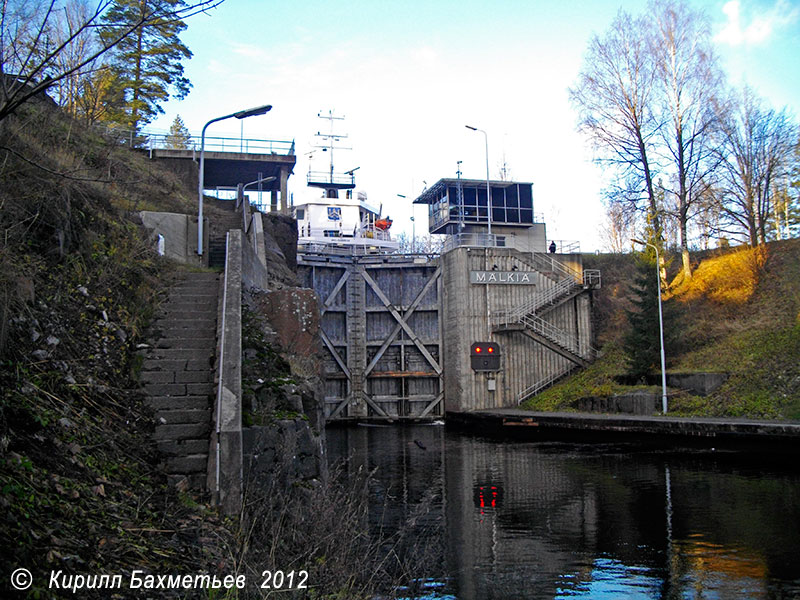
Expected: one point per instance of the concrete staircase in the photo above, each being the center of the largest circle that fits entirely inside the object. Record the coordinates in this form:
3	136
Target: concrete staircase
220	222
178	376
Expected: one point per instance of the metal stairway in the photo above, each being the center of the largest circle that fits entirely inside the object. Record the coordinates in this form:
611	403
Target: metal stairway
527	320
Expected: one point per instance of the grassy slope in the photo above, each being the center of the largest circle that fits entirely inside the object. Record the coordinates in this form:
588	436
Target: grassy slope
739	314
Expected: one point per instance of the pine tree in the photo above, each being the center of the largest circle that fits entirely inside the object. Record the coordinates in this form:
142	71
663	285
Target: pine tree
149	62
642	343
179	137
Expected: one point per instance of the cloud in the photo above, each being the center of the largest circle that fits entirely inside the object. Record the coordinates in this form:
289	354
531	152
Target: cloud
737	31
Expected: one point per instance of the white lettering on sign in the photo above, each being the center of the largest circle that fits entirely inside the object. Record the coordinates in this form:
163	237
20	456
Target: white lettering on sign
502	277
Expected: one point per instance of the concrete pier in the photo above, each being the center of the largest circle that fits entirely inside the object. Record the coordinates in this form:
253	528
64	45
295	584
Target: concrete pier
725	433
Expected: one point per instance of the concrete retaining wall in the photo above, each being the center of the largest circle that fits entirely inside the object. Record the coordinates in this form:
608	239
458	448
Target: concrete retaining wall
180	235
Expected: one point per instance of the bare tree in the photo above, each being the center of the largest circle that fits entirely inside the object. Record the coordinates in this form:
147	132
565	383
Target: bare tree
32	62
757	149
614	96
688	81
618	229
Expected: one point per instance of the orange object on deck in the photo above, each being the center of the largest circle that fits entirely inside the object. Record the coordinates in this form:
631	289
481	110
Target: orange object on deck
383	224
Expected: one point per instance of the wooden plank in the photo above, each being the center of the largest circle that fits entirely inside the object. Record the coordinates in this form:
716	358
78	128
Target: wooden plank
338	409
336	289
432	405
374	406
335	354
399	318
388	341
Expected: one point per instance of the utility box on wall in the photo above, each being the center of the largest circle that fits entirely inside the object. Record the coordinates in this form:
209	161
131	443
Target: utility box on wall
484	357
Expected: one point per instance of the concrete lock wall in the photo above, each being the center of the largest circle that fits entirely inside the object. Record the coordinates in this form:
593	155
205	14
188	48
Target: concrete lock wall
467	309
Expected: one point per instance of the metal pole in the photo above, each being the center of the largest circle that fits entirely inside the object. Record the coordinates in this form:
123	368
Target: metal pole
488	187
660	327
242	114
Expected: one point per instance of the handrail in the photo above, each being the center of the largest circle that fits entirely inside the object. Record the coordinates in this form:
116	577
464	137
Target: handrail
158	140
477	240
543	383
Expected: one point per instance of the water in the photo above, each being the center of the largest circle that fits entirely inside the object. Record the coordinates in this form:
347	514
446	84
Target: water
506	520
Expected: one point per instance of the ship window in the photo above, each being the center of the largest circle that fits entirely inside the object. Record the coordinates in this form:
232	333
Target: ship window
300	214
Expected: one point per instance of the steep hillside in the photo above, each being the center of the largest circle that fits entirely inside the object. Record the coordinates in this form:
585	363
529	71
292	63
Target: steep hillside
739	314
79	486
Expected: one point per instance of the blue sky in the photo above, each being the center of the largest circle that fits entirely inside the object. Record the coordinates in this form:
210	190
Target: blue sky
409	75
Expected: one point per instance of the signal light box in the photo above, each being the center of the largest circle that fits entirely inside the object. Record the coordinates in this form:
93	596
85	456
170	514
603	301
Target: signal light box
484	356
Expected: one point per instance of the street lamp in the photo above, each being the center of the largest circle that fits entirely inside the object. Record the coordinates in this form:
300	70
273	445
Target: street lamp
242	114
488	189
660	327
259	180
262	180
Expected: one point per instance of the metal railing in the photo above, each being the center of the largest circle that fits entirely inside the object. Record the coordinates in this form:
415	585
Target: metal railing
566	246
544	383
537	324
477	240
549	296
158	140
325	177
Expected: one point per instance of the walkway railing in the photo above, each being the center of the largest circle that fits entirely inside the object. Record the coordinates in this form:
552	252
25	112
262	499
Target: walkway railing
544	383
156	140
477	240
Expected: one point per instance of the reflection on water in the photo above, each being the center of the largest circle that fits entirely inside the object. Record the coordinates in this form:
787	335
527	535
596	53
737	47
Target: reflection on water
510	520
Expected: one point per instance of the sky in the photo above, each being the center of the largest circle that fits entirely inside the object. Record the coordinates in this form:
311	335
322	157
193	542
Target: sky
408	76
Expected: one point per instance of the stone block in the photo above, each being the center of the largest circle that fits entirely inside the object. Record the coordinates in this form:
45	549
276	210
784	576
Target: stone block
204	364
206	376
179	402
165	389
187	415
182	431
164	364
148	377
182	447
195	463
189	342
199	389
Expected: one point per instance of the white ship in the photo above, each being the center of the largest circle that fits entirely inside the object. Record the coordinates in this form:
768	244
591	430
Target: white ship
332	217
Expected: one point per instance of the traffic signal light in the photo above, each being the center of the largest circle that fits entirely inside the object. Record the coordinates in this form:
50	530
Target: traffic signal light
484	356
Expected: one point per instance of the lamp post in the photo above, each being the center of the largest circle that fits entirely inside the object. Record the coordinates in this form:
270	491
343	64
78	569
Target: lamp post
488	189
242	114
259	180
660	327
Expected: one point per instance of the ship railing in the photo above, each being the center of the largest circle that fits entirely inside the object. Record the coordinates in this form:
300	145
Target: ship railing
326	177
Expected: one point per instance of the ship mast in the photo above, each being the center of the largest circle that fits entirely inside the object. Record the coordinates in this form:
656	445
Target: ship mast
331	181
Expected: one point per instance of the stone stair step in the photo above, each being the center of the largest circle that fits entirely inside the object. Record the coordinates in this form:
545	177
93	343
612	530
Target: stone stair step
183	447
208	323
193	463
163	364
181	431
206	313
179	402
178	416
179	389
187	343
178	353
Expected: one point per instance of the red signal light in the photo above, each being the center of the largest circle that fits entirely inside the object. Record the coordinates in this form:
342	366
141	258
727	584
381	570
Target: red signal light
490	349
478	350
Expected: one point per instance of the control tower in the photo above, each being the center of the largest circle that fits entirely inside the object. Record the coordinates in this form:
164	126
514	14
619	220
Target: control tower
516	311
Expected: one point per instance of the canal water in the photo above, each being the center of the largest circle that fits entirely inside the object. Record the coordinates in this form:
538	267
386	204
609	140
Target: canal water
503	520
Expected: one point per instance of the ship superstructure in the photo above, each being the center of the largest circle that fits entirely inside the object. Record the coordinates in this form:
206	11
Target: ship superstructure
332	216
